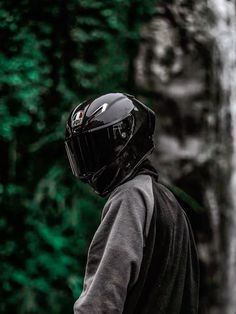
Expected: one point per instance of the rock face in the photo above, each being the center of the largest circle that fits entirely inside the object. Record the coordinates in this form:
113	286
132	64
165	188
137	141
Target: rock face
171	66
187	64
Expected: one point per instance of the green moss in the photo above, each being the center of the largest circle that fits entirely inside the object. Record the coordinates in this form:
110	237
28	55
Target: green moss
52	57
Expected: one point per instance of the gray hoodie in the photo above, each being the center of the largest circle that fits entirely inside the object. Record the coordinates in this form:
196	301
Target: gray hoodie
142	259
116	251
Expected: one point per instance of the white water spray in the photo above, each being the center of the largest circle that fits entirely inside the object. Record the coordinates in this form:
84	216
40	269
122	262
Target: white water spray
224	34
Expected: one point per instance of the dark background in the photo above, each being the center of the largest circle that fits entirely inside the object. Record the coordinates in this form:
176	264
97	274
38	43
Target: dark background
55	54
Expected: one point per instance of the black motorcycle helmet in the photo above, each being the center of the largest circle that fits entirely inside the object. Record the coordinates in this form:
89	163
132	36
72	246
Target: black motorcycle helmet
107	138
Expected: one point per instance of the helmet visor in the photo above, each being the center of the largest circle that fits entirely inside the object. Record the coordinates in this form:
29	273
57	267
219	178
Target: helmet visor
90	151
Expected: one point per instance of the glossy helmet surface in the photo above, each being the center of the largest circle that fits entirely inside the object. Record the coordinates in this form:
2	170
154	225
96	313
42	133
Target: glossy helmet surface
107	138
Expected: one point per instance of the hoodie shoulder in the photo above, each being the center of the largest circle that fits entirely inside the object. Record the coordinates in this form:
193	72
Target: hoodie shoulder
139	192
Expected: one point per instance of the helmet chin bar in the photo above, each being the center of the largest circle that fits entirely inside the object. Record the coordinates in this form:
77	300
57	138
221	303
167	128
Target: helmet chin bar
119	176
105	192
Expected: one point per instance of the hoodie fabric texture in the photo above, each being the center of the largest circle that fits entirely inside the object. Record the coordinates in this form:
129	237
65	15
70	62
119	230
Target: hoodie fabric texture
142	258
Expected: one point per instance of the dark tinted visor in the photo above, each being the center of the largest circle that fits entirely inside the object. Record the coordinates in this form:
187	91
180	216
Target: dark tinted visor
90	151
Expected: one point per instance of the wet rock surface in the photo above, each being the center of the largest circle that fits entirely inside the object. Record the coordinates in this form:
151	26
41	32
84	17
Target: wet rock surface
171	67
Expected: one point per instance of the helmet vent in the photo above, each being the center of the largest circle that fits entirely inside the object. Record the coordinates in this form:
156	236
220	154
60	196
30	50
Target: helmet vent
100	110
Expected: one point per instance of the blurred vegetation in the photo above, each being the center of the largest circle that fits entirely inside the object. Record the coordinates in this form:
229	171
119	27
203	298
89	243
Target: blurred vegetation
53	55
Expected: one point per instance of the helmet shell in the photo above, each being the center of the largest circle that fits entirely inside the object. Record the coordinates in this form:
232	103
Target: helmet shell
100	112
107	138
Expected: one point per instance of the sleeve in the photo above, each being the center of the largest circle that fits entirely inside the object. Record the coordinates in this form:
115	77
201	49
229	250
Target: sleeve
114	256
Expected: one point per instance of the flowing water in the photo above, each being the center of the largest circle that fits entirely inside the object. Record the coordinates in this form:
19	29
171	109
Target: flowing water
224	34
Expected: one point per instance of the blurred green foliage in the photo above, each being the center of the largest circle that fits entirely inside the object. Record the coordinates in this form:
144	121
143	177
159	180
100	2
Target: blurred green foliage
53	54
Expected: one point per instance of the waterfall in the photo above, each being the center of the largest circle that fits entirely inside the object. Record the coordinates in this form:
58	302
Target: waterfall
187	64
224	34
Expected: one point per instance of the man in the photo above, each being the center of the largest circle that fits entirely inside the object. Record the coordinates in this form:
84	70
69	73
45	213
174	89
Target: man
142	258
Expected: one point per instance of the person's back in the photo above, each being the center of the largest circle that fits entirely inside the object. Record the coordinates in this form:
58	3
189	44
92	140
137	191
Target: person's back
169	278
